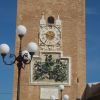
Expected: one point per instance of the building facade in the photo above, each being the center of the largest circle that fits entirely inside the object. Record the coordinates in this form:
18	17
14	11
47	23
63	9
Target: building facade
58	27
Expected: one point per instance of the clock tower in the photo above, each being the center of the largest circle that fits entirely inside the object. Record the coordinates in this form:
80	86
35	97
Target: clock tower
58	27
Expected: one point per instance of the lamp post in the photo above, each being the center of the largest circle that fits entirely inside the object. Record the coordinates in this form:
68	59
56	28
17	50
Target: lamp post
23	58
61	88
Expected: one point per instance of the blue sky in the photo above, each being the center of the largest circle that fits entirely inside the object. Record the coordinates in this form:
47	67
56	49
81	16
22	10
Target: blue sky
7	35
93	40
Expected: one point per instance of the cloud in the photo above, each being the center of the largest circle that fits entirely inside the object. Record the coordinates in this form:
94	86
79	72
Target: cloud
91	11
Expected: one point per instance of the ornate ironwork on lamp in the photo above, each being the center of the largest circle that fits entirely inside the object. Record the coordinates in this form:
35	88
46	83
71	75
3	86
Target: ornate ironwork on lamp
23	58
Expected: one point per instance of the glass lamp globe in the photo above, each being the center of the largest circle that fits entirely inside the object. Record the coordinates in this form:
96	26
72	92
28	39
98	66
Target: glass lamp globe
66	97
61	87
52	97
32	47
26	55
21	30
4	49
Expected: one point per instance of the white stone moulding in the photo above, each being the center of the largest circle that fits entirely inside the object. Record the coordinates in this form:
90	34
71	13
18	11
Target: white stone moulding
39	58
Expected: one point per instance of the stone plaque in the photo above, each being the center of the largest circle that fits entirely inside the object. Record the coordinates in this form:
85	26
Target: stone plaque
46	92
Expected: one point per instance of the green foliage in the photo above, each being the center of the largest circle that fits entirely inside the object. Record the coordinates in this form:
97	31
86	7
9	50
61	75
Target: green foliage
52	69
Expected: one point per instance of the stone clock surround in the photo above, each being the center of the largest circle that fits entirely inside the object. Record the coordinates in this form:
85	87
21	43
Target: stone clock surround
50	33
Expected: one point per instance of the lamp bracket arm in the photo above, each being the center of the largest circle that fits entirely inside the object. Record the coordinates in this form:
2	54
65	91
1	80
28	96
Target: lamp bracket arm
9	60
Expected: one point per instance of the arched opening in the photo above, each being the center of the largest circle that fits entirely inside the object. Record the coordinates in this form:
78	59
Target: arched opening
50	20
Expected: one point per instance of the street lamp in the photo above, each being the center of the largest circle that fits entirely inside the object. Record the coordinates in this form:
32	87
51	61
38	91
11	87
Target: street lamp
65	97
52	97
61	88
23	58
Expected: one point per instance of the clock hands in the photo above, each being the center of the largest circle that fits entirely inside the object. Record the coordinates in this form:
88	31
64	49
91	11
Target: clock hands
50	35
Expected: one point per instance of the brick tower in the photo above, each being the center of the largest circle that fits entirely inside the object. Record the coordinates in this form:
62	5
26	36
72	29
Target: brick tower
58	27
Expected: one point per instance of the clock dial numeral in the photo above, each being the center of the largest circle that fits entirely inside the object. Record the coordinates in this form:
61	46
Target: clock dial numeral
47	42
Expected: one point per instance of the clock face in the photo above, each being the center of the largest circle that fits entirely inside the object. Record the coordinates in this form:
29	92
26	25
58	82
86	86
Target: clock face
50	35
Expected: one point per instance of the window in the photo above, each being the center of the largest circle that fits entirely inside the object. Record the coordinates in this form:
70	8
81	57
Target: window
50	20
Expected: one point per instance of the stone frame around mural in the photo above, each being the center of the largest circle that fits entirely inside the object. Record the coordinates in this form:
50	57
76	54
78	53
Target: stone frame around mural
46	82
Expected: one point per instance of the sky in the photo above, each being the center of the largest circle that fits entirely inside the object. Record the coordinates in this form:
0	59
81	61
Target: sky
7	35
93	40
